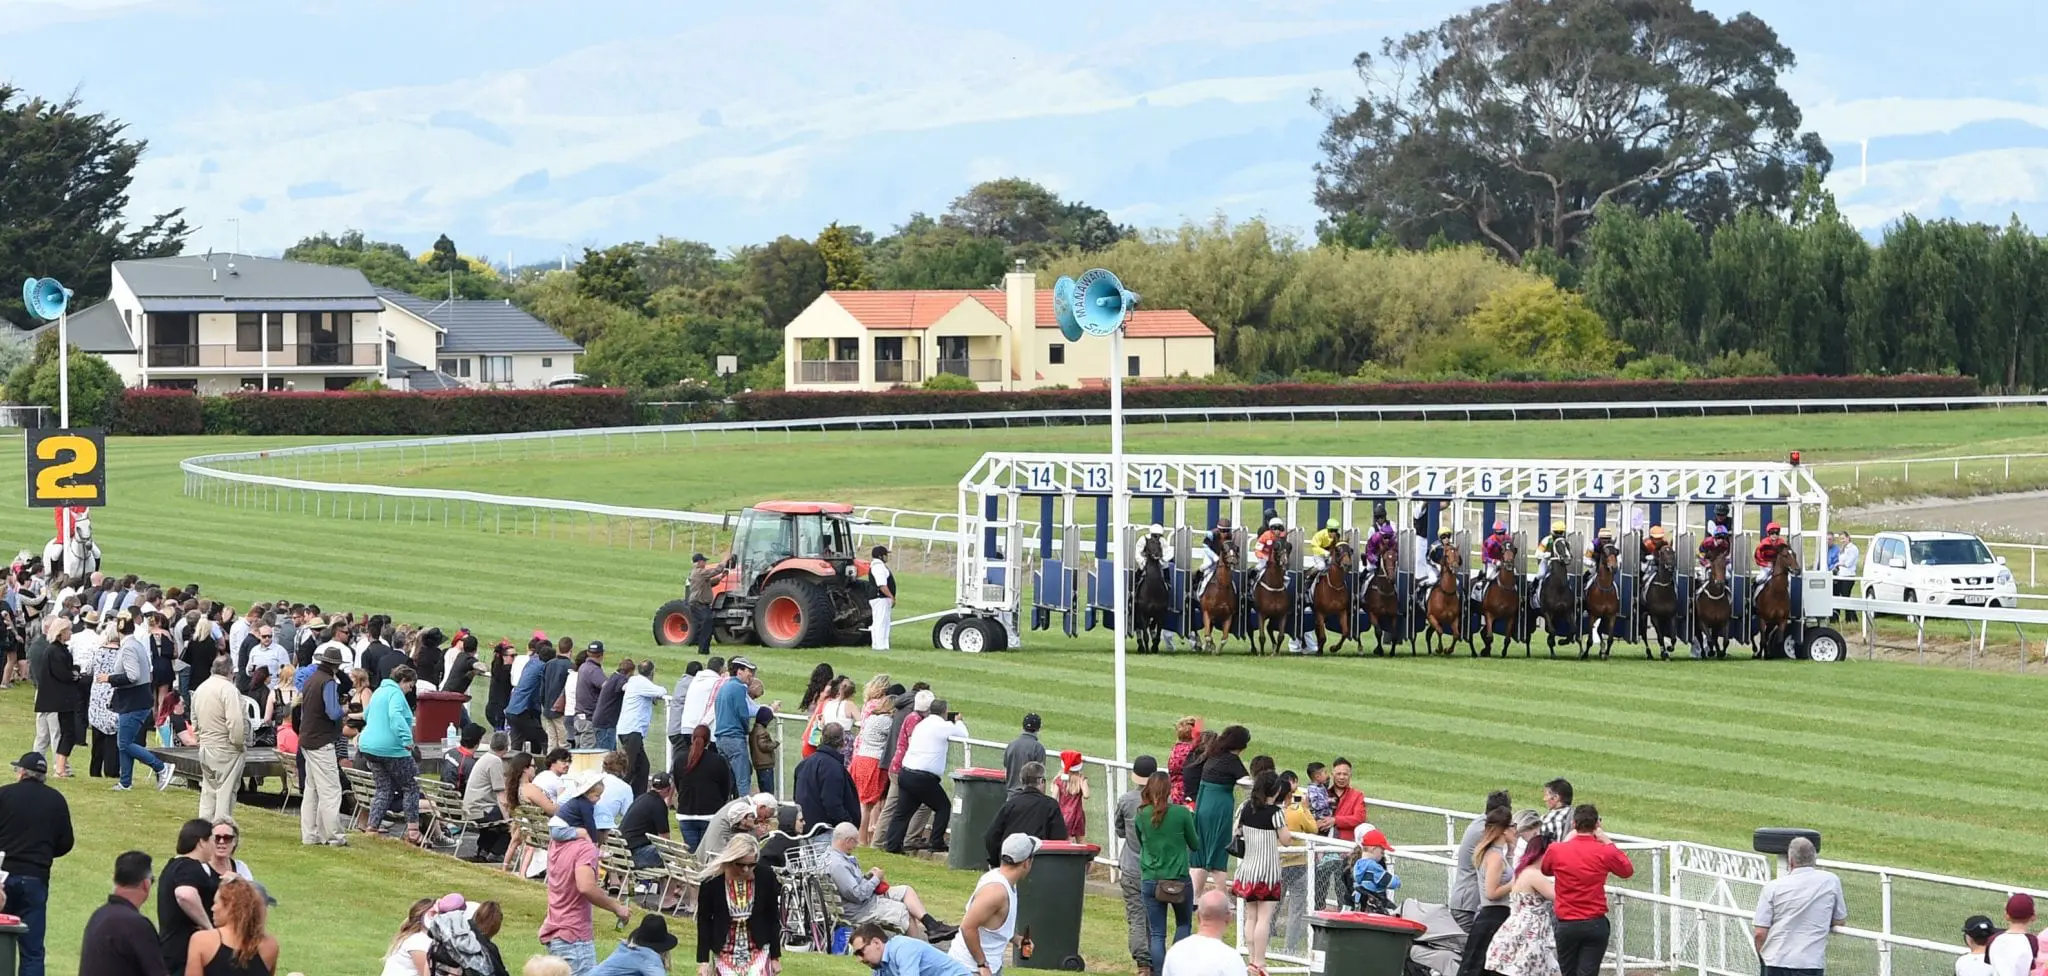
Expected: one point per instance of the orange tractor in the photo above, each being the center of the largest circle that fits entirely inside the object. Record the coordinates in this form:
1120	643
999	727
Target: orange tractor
793	581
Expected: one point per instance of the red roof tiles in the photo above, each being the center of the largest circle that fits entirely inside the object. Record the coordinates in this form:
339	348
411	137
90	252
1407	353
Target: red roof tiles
921	309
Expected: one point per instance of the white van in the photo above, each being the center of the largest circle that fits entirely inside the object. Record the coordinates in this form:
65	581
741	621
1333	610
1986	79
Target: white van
1937	568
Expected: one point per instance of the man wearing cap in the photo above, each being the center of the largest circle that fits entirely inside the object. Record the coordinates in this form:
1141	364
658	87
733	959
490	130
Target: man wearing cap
590	680
732	717
990	922
1025	748
2011	952
1795	911
35	830
889	956
222	726
883	603
1129	873
1978	931
648	815
319	727
703	581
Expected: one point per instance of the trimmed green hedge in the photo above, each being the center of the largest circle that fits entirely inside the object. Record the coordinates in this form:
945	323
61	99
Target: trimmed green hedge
377	413
783	405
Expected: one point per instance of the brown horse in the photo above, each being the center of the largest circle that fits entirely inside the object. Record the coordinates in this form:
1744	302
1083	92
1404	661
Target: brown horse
1218	600
1382	606
1603	603
1774	605
1712	609
1660	602
1331	596
1272	600
1445	616
1502	600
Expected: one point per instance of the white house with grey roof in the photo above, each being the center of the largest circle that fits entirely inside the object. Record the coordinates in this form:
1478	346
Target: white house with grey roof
476	343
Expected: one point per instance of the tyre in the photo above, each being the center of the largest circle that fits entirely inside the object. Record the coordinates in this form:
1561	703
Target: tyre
944	630
1825	646
725	634
672	624
793	612
978	634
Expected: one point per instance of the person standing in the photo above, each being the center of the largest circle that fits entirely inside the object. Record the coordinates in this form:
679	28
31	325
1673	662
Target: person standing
1557	801
1796	911
481	792
119	940
732	717
1978	931
554	691
1166	832
739	913
1129	871
573	888
590	686
386	745
1216	805
924	761
882	605
1844	561
636	716
1347	803
60	698
132	707
1580	867
1492	875
1025	748
184	895
523	709
823	789
990	921
704	580
319	727
35	830
2013	951
223	729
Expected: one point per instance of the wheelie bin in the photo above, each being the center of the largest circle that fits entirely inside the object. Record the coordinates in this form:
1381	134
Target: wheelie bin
1363	944
1049	905
977	795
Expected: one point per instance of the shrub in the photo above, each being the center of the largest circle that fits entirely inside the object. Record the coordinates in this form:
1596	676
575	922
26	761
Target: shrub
440	412
157	412
950	382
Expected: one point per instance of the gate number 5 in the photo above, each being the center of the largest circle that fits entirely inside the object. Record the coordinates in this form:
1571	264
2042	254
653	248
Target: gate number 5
66	467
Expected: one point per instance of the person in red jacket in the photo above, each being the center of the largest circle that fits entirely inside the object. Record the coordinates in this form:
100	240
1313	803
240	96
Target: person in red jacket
1766	555
1347	812
1580	866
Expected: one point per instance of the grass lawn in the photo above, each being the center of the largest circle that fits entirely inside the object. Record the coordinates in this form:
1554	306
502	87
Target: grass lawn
1894	763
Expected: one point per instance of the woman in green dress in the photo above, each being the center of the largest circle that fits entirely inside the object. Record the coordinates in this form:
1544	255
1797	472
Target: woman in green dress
1216	806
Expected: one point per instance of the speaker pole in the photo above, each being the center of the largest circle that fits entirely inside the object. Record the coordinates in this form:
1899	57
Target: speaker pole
1120	509
64	366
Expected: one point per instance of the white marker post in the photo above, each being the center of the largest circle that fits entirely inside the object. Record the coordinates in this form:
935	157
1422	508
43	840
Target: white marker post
1119	494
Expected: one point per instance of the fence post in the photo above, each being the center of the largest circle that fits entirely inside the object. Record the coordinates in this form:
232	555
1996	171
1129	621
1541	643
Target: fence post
1884	949
1699	936
1450	830
1621	936
1657	917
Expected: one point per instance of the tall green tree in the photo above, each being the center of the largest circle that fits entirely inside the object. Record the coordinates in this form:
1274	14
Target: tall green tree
445	258
64	179
788	274
674	262
1512	123
2015	313
923	253
846	267
1647	277
1031	219
613	276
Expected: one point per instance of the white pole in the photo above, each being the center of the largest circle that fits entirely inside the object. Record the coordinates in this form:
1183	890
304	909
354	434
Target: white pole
1119	511
64	365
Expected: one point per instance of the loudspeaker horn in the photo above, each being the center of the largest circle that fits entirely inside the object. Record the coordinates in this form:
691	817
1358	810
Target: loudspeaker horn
45	298
1063	308
1100	302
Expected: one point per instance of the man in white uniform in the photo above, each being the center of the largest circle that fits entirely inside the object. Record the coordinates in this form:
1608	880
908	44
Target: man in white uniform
884	600
990	921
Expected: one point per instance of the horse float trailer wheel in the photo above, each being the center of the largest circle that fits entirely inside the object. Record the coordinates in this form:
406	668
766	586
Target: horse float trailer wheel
672	624
973	636
1825	645
945	630
793	613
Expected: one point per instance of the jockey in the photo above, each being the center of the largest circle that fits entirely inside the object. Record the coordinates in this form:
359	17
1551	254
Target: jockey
1716	543
1155	531
1767	550
1493	550
1653	544
1432	564
1262	550
1601	540
1317	550
1556	549
1215	547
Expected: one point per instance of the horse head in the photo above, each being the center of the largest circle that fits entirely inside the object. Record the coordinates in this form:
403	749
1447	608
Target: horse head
1787	561
1153	550
1509	555
1340	557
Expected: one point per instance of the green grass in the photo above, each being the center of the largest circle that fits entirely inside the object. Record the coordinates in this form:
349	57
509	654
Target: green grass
1896	764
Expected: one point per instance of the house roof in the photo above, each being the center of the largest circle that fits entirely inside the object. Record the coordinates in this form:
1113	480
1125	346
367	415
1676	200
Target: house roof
921	309
482	326
229	282
96	329
417	378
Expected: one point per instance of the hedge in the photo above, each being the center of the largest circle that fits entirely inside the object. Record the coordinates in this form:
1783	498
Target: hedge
379	413
784	405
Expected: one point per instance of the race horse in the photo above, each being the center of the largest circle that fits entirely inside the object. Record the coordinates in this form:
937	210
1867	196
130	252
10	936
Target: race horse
1445	614
1554	599
1218	600
1382	606
1774	605
1331	596
1713	609
73	554
1603	603
1660	601
1501	599
1149	599
1272	600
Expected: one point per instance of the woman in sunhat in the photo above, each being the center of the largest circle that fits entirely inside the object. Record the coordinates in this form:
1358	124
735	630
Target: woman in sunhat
645	953
739	913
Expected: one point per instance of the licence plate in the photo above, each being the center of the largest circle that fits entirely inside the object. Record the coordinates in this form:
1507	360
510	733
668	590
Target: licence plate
1973	600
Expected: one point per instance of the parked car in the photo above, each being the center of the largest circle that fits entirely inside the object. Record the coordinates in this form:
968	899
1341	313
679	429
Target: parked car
1937	568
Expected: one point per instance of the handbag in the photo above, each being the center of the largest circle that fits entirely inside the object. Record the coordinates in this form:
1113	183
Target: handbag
1170	892
1236	846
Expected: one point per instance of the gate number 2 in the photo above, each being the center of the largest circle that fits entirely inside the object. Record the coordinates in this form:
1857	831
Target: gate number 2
66	467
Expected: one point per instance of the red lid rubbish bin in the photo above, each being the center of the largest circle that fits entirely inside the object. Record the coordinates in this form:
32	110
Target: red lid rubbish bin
1364	944
1049	905
977	794
437	711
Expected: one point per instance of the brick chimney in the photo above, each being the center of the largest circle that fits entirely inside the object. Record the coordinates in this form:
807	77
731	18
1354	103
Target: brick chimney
1020	296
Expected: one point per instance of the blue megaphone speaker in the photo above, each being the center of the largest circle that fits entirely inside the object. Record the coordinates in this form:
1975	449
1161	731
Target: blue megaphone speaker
1063	308
45	298
1099	302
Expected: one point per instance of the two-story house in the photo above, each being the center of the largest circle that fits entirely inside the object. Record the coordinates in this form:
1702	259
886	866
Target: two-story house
479	343
1002	340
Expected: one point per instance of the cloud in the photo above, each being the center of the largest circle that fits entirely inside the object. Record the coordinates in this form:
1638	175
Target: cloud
472	124
1986	185
316	190
1871	118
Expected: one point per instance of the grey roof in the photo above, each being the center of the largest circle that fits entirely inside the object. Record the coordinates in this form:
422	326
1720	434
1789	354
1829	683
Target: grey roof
429	380
240	277
262	305
97	329
483	326
396	365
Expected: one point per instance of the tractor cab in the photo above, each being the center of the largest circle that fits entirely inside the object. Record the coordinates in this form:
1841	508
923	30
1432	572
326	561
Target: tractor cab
774	536
797	581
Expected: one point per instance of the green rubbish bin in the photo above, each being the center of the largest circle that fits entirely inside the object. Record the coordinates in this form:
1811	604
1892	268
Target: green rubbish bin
1049	905
977	795
11	930
1363	944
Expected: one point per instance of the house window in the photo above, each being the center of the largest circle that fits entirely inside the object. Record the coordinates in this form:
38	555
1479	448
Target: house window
456	367
1131	367
1056	354
250	325
497	369
547	362
174	384
256	383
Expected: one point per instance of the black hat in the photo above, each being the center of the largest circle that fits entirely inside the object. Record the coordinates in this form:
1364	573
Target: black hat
697	557
659	782
33	762
1032	722
1144	766
878	552
1980	928
653	933
596	648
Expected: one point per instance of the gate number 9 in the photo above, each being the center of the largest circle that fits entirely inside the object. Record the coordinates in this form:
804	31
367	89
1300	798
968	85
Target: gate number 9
66	467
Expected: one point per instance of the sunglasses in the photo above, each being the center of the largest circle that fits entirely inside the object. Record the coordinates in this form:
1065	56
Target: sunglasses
225	838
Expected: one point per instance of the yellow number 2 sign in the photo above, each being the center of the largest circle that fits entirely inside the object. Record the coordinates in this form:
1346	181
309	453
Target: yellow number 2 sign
67	467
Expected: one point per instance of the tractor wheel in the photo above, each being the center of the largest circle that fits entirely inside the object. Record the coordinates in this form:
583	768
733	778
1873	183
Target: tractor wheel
945	630
725	634
672	624
793	612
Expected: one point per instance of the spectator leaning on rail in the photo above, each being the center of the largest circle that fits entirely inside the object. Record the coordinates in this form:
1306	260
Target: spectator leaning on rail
824	791
1028	811
2014	951
1580	866
1795	912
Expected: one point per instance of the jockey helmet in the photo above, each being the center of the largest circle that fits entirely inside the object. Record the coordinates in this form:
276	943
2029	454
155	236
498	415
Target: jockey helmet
1500	526
1273	522
1379	510
1606	532
1331	525
1656	532
1156	529
1772	529
1557	528
1223	524
1444	534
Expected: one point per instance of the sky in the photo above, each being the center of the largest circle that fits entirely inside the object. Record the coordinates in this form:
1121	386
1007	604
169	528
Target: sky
524	130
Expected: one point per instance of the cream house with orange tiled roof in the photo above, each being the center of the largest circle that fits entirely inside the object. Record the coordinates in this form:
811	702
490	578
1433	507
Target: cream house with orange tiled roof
1002	340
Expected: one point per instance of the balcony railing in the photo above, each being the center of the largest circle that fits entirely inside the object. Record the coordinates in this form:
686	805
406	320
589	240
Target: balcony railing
828	371
899	371
227	355
978	370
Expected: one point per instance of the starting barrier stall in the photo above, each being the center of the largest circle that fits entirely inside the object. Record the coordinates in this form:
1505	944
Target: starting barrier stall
1066	557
